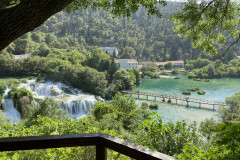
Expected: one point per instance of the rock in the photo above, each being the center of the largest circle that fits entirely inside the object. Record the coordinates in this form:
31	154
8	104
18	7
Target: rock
98	98
55	91
24	106
67	90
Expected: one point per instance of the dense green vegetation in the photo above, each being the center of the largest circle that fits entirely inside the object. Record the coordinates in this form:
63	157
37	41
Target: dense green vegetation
215	69
141	37
150	72
92	72
124	119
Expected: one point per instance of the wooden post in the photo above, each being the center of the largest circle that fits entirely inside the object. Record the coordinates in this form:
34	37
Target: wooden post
199	105
138	95
176	100
187	103
155	98
101	152
213	106
147	97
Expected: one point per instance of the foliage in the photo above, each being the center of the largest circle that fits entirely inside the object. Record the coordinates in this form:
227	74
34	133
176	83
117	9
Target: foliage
168	65
3	119
209	23
201	92
45	108
16	94
186	92
231	113
167	138
193	89
174	72
153	106
218	70
151	71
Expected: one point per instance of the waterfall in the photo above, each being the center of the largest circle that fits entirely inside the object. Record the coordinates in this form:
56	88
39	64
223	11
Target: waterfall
76	103
8	108
78	108
10	111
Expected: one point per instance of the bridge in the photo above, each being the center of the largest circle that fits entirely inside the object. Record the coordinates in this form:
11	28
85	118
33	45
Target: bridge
188	100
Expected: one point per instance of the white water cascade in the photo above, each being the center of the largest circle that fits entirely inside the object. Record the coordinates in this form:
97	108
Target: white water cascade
8	108
76	103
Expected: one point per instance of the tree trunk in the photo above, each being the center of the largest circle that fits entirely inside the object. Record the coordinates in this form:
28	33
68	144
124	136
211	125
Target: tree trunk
26	16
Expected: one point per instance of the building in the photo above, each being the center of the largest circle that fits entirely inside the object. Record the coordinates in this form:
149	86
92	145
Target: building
146	63
127	63
238	57
111	50
176	64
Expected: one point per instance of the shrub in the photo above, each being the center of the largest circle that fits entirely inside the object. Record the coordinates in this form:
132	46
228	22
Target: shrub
193	89
14	83
2	88
206	80
19	93
176	77
24	80
186	92
174	72
201	92
191	76
153	106
161	68
144	105
163	100
169	101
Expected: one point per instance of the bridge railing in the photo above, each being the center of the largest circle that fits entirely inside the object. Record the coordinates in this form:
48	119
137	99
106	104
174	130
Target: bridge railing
100	140
174	97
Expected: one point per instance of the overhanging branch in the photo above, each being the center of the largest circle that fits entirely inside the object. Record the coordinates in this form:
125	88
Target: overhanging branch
25	17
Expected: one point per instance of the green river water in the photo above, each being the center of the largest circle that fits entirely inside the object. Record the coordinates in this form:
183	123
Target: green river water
216	90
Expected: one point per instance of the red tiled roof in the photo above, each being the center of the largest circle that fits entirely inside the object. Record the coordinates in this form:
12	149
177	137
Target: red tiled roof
129	60
174	62
146	62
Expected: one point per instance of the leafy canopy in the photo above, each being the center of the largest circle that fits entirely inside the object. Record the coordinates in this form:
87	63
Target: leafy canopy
209	23
118	7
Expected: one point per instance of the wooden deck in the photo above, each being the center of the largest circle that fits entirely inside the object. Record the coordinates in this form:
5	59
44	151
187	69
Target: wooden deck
188	100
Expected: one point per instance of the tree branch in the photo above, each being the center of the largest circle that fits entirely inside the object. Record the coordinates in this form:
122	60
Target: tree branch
25	17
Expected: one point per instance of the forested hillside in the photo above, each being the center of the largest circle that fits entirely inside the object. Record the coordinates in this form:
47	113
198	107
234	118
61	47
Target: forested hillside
141	37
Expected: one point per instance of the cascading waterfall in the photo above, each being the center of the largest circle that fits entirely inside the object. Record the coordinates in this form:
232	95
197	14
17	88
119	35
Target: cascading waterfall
76	103
78	108
8	108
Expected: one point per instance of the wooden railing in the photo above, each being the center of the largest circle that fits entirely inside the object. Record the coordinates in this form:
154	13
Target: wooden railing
100	140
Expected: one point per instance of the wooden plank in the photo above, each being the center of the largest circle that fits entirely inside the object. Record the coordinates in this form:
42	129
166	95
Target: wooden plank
52	141
100	140
133	150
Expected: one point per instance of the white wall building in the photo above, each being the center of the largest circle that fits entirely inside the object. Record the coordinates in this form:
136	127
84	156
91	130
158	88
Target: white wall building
127	63
111	50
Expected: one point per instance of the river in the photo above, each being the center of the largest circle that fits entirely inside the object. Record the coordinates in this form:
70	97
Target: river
216	90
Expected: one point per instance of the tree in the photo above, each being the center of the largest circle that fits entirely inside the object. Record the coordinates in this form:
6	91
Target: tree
24	15
168	65
208	23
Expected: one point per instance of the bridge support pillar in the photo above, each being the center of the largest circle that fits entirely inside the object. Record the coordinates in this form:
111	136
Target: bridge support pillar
199	105
147	97
176	100
138	96
155	98
214	107
187	104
